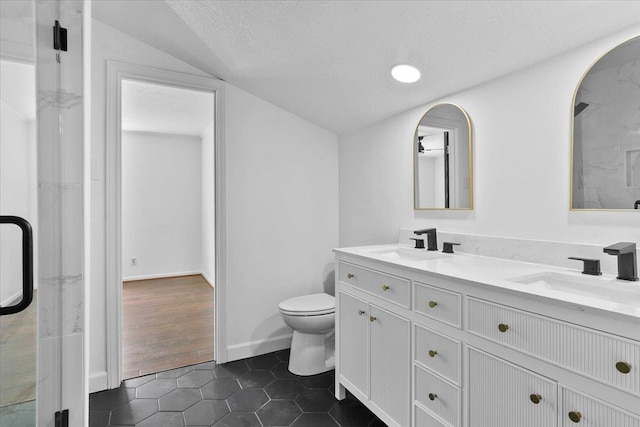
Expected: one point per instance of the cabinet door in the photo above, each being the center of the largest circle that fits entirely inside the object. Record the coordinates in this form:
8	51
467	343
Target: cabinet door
390	364
504	395
581	410
353	320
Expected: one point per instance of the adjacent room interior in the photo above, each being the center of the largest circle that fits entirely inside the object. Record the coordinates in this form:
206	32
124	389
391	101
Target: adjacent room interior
167	243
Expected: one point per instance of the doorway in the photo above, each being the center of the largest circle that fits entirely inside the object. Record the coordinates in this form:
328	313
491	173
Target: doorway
117	73
167	227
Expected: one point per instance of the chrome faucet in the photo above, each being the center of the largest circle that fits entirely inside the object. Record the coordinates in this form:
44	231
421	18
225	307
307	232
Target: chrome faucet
432	239
627	263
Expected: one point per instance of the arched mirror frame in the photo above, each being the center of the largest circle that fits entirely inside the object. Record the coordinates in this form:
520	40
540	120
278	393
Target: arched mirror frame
573	116
415	160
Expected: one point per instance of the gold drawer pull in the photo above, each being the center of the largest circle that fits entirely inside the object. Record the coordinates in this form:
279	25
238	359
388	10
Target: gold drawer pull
360	312
432	396
575	416
432	304
385	288
432	353
350	276
623	367
535	398
373	319
503	328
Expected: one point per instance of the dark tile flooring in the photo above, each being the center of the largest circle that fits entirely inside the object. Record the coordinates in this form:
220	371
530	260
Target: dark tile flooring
258	391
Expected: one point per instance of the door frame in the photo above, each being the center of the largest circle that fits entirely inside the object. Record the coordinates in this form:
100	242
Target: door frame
116	72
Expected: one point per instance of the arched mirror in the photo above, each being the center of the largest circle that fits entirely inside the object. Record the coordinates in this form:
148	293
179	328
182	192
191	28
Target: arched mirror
442	165
606	132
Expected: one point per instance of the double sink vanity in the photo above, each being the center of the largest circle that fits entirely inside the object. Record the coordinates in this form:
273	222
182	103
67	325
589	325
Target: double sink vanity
442	339
427	338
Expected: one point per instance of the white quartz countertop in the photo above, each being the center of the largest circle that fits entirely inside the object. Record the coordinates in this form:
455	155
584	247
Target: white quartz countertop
568	285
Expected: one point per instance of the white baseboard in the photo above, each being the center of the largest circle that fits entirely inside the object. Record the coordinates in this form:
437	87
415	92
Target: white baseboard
97	381
12	299
161	276
258	347
209	280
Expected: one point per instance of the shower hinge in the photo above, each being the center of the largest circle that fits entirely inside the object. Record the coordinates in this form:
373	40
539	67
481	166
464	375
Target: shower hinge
62	418
59	37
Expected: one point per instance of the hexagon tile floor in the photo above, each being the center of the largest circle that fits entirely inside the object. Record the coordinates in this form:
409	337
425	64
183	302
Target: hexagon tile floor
259	391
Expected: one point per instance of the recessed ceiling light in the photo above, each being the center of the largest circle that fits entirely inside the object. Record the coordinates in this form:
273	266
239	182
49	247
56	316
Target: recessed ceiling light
405	73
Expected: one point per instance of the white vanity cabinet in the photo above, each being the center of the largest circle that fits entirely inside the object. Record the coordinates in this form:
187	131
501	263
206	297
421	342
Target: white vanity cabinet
428	350
374	341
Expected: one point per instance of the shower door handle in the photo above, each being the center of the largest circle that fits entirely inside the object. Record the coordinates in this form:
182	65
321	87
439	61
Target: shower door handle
27	264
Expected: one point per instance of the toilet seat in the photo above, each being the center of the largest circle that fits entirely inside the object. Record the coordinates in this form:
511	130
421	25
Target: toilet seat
309	305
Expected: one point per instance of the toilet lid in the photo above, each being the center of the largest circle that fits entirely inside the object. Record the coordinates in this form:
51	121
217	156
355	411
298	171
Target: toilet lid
313	304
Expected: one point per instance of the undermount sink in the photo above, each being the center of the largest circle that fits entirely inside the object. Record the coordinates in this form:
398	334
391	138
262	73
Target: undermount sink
406	254
592	287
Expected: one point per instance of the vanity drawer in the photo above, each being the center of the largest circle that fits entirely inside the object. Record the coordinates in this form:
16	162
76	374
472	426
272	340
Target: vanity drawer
425	419
578	409
446	397
604	357
445	306
386	286
439	353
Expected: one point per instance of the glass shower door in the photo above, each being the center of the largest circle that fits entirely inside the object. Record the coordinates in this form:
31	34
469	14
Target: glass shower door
18	202
41	229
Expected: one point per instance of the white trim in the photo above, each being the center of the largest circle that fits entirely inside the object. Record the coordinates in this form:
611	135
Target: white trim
209	280
162	275
18	52
220	266
257	347
97	381
116	72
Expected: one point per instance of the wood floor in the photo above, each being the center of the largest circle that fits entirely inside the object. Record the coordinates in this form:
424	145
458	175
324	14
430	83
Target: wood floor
18	356
167	323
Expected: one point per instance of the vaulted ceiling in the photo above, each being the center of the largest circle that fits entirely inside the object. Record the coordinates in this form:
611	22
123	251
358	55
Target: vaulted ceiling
329	61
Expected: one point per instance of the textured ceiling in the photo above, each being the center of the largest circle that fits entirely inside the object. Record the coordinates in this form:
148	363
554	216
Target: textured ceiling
165	109
329	61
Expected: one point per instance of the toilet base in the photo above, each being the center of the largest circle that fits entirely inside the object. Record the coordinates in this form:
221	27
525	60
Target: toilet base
308	354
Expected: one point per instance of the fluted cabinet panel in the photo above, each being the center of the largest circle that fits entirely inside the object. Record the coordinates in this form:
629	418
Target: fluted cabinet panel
424	419
390	364
583	350
438	396
353	325
439	304
389	287
500	394
593	413
438	353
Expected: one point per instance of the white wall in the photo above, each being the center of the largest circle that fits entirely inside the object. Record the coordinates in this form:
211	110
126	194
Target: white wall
208	204
522	145
161	205
282	207
18	196
282	217
109	44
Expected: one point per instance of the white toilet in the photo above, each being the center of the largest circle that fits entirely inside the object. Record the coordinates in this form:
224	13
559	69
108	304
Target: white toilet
312	318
